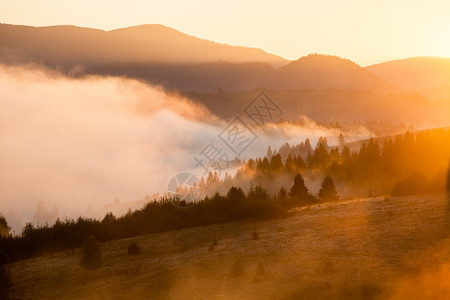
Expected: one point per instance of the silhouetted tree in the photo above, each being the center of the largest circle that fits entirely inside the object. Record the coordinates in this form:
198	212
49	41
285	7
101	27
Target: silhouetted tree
251	164
289	165
236	194
308	147
276	164
299	163
4	228
328	191
282	194
299	191
269	152
341	140
258	193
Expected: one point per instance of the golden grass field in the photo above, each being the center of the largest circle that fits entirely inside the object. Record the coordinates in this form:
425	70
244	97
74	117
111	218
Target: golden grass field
374	248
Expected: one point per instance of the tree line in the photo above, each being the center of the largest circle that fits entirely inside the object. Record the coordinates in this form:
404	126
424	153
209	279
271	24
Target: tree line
161	215
410	163
404	163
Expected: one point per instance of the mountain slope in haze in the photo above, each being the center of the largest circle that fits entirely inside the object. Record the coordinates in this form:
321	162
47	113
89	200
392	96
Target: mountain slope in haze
334	105
428	76
205	77
164	56
314	71
69	46
326	71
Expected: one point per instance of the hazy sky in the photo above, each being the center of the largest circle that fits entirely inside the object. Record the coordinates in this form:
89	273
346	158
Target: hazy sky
366	31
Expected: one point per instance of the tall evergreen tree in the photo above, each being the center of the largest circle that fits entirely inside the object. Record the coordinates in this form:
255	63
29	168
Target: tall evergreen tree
341	140
299	191
289	165
299	162
276	164
269	152
328	191
308	146
4	228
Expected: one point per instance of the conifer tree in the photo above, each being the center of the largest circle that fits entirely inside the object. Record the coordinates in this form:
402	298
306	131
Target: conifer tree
299	191
328	191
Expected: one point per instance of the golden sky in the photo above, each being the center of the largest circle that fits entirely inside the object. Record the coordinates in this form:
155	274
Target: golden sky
365	31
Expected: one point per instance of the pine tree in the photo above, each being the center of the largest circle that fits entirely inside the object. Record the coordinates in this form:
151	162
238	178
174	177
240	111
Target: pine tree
309	160
299	163
282	194
308	147
341	140
202	183
276	164
299	191
328	191
209	179
251	164
289	165
269	152
4	228
345	155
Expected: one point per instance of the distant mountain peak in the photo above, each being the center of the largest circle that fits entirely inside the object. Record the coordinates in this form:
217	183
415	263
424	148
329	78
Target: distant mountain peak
71	45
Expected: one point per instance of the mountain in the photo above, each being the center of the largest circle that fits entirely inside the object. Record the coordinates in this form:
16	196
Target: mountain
428	76
314	71
324	71
204	77
69	46
330	106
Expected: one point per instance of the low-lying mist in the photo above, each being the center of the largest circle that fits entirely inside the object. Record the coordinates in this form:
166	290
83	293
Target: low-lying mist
69	147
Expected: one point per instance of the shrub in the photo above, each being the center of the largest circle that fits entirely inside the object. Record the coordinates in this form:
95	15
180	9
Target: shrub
134	249
91	255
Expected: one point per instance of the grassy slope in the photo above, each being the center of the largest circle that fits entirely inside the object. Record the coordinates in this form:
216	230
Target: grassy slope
356	249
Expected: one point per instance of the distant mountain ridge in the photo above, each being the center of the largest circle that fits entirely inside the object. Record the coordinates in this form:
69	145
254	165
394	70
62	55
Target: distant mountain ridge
164	56
428	76
70	45
316	72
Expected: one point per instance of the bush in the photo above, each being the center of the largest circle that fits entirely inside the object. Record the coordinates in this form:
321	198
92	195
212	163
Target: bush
91	255
134	249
